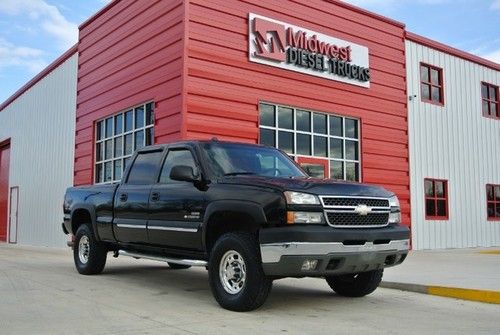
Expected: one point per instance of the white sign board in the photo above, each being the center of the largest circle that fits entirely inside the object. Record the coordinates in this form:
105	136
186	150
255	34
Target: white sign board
293	48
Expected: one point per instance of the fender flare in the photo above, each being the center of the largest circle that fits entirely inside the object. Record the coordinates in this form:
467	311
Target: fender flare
89	208
250	208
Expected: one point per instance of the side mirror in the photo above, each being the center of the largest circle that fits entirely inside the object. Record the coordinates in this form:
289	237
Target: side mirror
183	173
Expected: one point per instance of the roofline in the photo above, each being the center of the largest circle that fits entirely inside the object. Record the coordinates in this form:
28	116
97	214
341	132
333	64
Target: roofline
99	13
452	51
61	59
367	12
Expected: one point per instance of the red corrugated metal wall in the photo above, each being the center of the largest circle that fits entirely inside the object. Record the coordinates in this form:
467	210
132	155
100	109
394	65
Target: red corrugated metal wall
223	88
131	52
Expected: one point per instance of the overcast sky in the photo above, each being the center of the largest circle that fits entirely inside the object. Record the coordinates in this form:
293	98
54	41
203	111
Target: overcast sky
35	32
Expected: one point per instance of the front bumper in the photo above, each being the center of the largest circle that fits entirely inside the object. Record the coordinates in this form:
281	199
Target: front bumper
337	251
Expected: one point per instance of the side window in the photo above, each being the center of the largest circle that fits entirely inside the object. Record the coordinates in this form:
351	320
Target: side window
176	157
144	169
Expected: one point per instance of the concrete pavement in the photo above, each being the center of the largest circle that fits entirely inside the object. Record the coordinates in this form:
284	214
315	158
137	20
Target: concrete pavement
471	274
41	293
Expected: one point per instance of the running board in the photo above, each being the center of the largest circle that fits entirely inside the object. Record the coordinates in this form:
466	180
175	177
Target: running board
191	262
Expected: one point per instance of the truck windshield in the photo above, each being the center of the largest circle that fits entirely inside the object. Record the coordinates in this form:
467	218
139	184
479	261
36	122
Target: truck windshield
228	159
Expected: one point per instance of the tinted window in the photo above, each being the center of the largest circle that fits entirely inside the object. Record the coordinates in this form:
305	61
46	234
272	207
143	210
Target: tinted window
144	168
174	158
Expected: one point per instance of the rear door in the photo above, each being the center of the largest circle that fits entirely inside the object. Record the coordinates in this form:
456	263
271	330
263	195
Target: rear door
132	198
177	207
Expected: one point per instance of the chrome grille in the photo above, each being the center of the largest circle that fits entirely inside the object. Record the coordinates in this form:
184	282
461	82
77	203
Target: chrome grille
356	220
356	212
371	202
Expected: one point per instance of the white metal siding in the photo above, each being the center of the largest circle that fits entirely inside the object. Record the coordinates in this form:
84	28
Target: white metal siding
454	142
41	126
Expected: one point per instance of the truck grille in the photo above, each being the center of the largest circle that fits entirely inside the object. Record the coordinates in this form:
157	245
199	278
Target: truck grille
330	201
355	220
356	212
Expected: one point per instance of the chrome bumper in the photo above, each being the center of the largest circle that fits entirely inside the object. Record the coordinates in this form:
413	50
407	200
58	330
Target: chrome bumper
272	252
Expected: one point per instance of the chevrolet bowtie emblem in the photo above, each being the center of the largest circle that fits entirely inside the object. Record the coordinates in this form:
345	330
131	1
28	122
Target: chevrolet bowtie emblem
362	210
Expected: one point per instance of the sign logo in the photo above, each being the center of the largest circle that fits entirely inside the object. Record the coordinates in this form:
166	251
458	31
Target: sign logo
282	45
362	210
269	39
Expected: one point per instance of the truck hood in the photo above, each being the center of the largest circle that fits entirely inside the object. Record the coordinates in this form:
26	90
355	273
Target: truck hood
312	185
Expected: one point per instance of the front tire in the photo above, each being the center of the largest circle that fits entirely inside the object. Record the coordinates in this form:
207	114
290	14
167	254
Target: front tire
355	285
88	253
235	272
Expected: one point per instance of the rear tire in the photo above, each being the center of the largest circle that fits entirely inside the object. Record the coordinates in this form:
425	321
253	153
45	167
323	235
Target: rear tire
356	284
88	253
235	272
176	266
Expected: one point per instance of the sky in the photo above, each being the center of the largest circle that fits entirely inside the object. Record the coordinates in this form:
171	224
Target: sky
33	33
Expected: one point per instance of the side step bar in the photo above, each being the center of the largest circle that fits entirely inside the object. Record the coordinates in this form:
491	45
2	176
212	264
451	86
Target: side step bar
191	262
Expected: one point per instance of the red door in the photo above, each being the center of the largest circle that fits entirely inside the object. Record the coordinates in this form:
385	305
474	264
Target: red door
4	190
314	167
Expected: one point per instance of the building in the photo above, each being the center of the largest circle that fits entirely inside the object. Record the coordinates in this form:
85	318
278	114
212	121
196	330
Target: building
339	88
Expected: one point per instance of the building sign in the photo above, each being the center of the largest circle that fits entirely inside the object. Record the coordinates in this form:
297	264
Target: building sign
293	48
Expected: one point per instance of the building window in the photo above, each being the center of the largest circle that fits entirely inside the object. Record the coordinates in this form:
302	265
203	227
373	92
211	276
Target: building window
431	84
436	199
331	139
489	99
493	202
117	137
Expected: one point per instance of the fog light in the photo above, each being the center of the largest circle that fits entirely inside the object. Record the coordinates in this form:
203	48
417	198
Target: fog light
395	217
309	265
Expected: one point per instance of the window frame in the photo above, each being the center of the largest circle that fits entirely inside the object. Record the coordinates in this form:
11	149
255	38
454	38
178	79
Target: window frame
430	84
494	202
329	137
164	160
435	198
124	157
497	102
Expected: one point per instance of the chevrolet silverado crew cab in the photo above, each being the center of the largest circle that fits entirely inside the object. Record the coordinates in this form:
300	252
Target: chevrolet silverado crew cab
247	213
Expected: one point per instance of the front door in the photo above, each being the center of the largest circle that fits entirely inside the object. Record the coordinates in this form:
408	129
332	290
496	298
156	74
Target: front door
176	207
132	198
314	167
4	190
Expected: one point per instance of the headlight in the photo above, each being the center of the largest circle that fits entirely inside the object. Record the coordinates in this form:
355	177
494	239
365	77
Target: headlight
297	198
395	215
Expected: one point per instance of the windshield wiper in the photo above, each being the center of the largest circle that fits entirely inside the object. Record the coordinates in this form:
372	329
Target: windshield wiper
241	173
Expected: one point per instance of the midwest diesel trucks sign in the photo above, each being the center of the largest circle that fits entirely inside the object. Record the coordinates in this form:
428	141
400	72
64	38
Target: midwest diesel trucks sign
293	48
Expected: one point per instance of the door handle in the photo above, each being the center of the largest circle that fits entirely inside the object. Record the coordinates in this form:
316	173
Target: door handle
123	197
155	196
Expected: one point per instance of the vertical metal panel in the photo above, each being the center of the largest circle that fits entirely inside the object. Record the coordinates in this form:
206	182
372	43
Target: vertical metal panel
454	142
223	89
41	126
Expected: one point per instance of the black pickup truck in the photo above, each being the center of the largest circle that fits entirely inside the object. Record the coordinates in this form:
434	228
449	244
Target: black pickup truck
247	213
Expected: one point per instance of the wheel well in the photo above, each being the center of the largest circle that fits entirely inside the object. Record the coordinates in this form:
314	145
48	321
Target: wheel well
225	222
80	216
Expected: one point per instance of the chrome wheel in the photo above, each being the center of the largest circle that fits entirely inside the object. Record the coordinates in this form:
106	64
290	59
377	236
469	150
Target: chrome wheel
84	249
232	272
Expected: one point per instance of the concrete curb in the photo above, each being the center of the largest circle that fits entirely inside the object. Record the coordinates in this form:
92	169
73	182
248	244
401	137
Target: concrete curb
488	296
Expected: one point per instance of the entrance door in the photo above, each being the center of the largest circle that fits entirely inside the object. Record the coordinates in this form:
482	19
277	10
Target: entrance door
14	201
314	167
4	189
